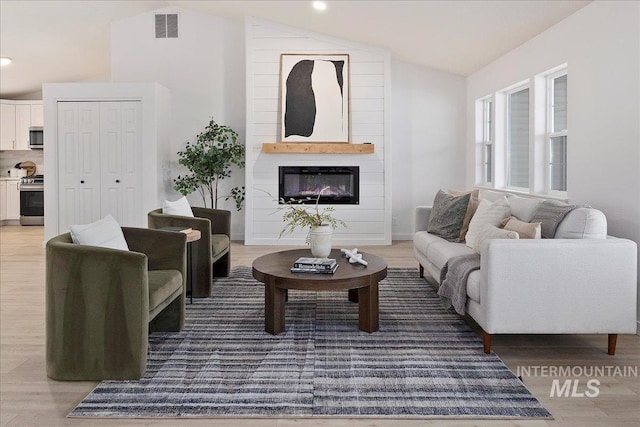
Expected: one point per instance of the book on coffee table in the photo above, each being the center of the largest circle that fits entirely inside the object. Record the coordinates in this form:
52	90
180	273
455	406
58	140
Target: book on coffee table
315	263
315	270
185	230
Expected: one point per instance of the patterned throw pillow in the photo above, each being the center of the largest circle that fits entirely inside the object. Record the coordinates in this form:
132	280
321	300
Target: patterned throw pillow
550	213
526	230
490	232
474	201
447	215
488	213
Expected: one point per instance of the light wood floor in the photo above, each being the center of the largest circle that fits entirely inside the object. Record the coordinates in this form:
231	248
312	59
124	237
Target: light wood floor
29	398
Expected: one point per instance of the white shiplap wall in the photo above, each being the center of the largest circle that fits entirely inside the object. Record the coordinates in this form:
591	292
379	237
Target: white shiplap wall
370	221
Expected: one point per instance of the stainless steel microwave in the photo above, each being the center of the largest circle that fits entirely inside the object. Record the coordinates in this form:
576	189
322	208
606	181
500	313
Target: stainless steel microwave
36	138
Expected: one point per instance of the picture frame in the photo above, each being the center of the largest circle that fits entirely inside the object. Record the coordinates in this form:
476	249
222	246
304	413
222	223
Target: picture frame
314	98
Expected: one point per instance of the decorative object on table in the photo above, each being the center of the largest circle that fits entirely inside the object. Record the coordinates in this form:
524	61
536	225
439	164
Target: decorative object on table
209	161
314	94
321	224
354	256
315	265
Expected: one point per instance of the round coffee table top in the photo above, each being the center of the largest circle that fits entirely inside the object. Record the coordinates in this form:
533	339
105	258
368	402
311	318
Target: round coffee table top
277	266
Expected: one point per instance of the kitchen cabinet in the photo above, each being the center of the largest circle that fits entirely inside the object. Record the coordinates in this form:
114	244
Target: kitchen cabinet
9	199
99	161
16	117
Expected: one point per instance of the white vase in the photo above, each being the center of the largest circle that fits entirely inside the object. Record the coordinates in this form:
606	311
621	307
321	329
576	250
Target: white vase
320	240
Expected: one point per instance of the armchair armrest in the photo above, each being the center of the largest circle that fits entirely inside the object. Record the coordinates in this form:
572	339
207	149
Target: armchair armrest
559	286
97	304
220	219
165	249
422	217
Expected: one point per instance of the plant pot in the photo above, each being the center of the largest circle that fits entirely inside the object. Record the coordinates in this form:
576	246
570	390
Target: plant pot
320	240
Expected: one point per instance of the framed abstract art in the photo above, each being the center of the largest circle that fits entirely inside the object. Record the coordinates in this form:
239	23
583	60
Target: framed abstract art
314	98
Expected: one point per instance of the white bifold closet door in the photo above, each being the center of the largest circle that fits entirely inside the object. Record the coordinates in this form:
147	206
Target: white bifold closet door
99	162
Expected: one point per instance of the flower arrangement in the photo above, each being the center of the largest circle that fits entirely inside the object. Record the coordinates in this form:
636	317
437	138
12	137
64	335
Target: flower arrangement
300	215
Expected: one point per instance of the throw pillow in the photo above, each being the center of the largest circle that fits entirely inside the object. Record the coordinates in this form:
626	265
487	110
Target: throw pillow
488	213
550	213
471	209
447	215
491	195
489	232
105	233
179	207
525	230
523	208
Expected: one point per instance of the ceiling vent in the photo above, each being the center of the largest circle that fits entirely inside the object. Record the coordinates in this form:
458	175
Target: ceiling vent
167	26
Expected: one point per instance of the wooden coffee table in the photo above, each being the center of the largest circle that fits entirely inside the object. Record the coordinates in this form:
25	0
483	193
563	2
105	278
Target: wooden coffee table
362	282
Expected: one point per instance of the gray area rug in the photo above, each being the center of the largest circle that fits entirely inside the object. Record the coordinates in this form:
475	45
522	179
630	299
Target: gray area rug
423	362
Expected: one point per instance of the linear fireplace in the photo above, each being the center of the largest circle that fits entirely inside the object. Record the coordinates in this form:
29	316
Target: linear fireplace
334	184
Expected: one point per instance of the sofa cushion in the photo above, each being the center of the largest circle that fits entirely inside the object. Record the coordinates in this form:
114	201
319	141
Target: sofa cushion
523	208
447	215
583	223
163	284
105	233
440	252
491	195
550	213
422	240
490	232
488	213
526	230
473	286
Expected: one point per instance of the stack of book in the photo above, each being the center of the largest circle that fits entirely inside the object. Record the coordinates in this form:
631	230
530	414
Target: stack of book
315	265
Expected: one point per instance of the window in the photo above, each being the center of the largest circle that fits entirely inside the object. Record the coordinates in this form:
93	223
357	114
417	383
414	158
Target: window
166	26
518	138
557	132
487	141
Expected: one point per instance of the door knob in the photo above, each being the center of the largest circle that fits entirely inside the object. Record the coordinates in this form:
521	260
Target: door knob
81	182
117	180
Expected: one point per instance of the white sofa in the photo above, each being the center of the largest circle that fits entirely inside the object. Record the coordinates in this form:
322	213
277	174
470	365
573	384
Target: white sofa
580	282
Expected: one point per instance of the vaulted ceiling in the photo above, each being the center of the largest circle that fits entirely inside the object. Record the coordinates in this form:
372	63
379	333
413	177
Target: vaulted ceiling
66	41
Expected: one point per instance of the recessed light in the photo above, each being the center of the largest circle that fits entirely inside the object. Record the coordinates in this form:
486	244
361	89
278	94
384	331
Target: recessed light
319	5
5	61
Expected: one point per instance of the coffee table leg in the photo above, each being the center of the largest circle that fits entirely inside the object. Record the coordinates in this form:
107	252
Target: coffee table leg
368	308
353	295
274	305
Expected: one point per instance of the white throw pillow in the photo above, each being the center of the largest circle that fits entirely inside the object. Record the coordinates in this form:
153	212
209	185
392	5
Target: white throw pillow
523	208
489	232
105	233
491	195
179	207
488	213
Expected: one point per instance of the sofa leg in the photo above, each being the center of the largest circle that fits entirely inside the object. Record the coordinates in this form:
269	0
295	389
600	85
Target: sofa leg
613	339
421	270
486	342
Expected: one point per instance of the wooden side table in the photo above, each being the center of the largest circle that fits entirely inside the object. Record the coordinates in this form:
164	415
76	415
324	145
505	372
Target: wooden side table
192	236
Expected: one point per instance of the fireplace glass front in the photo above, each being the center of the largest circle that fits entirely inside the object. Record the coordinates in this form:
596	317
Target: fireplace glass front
334	184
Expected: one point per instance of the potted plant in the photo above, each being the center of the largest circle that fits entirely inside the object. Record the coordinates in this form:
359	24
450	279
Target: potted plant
321	223
209	161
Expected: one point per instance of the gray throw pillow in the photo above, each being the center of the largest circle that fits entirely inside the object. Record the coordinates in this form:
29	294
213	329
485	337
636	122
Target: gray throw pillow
447	215
550	213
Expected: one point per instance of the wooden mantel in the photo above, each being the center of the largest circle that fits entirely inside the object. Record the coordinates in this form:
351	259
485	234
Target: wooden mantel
316	148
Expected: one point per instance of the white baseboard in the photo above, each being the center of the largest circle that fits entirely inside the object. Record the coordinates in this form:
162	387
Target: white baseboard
402	236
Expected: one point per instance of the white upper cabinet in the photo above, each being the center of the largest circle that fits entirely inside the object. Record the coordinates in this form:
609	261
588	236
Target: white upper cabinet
15	119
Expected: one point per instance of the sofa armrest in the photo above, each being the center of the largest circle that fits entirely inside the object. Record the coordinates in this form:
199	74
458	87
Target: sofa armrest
220	219
559	286
422	218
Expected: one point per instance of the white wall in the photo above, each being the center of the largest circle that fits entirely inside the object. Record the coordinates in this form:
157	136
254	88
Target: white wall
370	221
428	128
601	45
203	69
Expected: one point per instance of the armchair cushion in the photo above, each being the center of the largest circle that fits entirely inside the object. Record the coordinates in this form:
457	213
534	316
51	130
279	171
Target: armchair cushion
105	233
219	244
179	207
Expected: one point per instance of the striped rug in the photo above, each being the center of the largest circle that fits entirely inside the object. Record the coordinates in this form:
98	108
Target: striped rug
423	362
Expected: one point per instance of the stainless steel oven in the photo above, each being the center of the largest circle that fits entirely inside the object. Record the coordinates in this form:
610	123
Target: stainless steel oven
32	200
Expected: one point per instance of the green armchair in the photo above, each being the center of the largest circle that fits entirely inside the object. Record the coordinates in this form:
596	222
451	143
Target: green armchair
102	303
212	253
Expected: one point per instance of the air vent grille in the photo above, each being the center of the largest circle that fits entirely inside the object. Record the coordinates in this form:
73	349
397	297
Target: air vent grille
166	26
